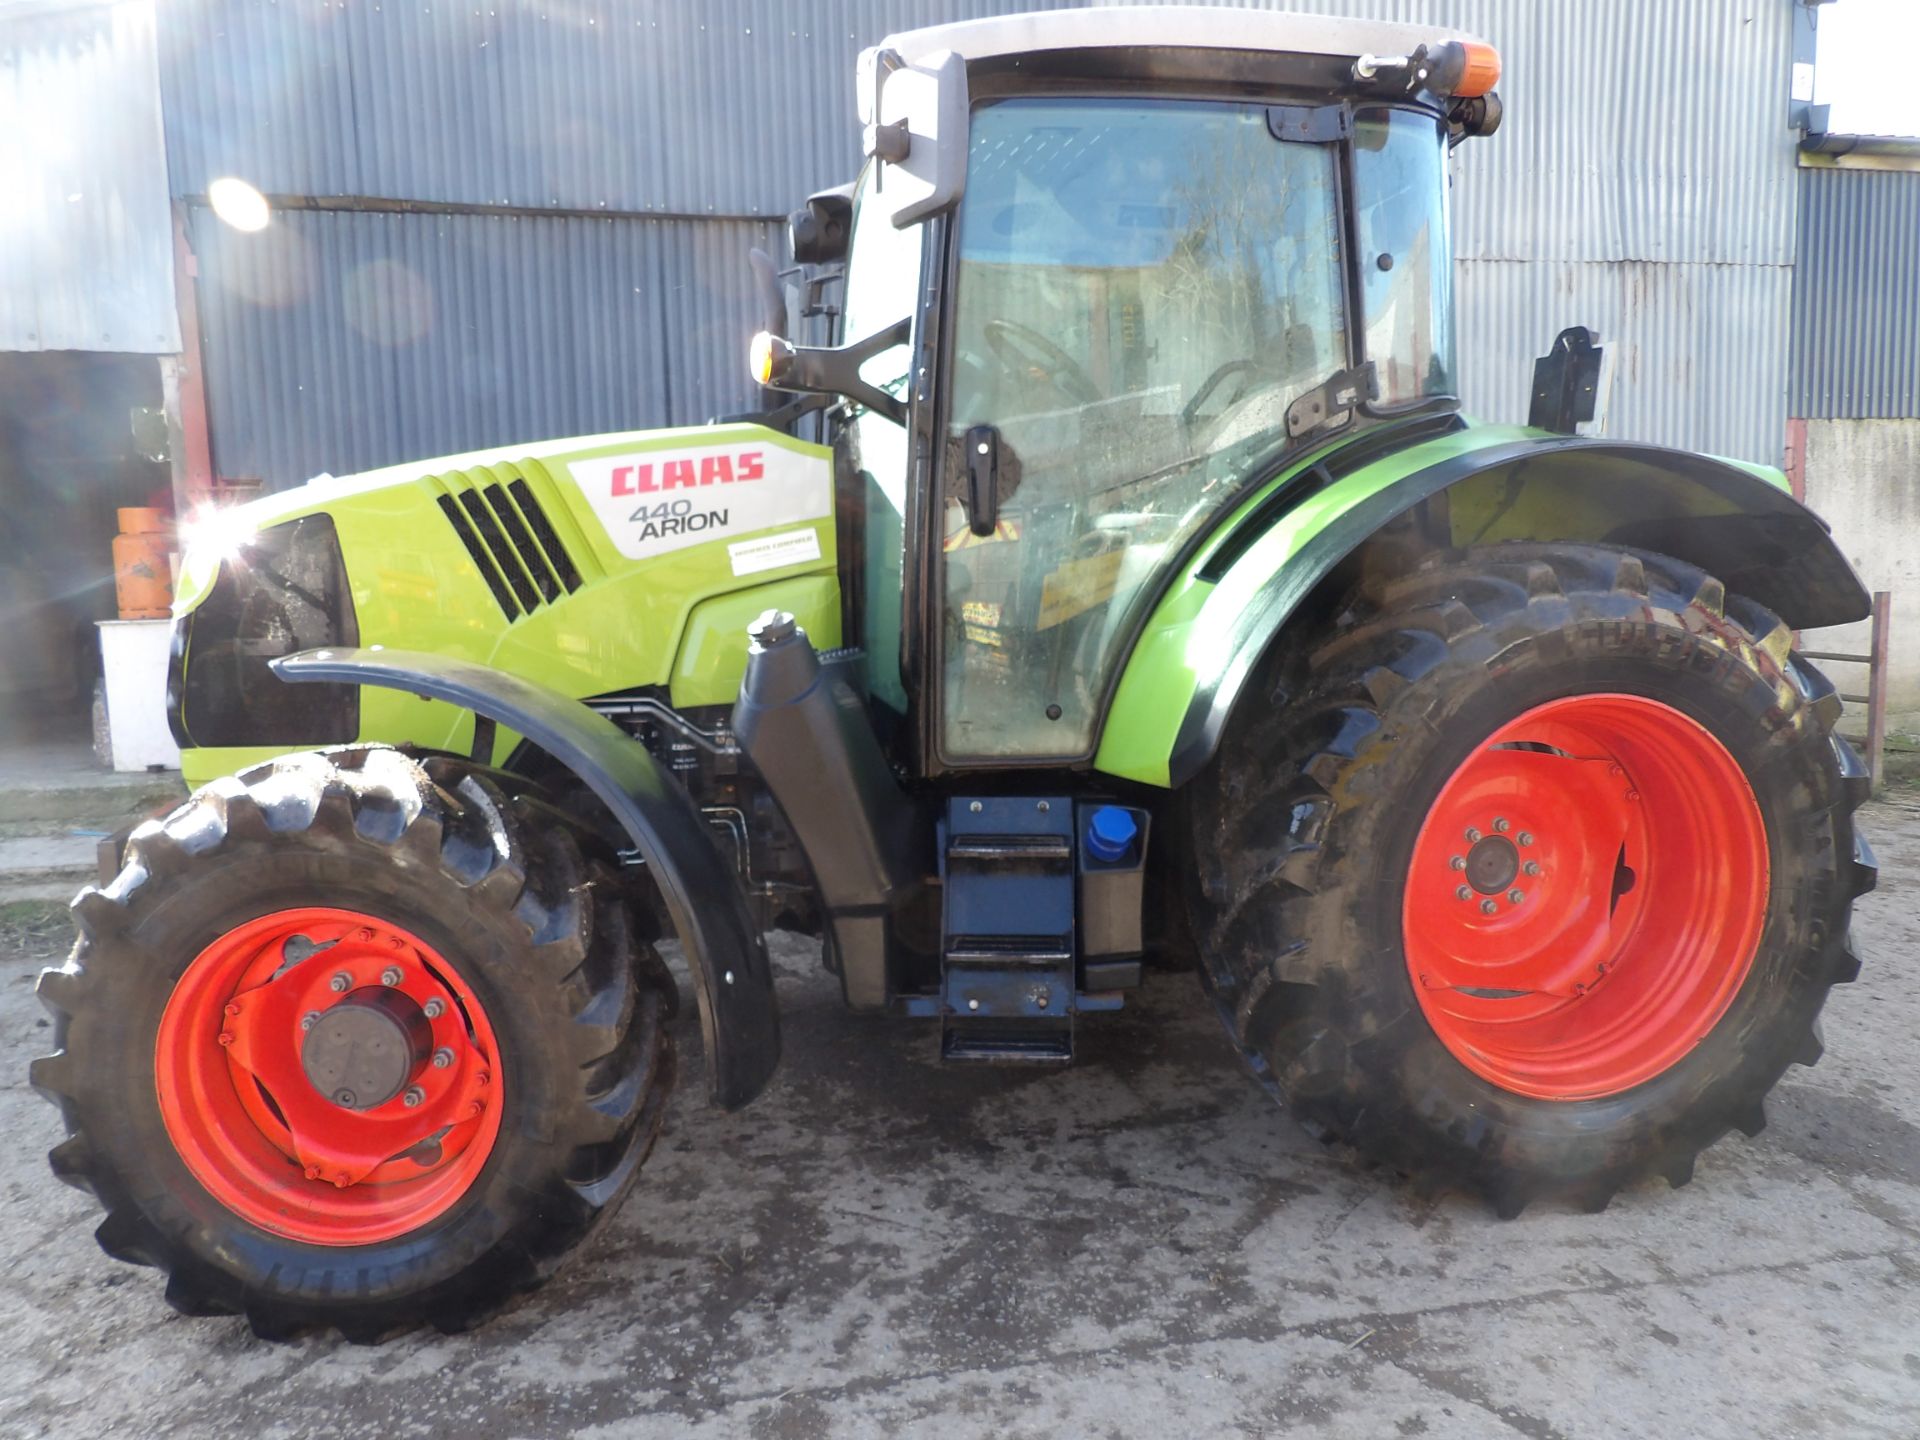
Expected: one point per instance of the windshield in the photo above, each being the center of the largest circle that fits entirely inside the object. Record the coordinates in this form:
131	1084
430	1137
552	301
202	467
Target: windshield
1143	288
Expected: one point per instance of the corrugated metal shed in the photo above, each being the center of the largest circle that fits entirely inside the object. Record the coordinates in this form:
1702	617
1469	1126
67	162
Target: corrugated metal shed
1698	351
1856	299
730	108
1642	184
342	341
86	255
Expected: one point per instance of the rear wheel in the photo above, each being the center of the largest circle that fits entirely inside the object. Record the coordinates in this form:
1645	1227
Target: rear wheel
355	1041
1535	877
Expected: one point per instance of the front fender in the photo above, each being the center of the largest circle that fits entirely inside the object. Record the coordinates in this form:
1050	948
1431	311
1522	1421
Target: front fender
1198	649
725	952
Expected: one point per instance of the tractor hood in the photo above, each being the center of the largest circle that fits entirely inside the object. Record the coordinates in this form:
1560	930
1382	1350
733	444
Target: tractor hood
595	565
596	493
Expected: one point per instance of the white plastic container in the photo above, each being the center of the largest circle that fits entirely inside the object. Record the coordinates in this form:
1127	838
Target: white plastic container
133	659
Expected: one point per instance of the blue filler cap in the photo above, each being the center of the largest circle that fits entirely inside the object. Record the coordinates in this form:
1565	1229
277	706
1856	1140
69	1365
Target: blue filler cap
1110	833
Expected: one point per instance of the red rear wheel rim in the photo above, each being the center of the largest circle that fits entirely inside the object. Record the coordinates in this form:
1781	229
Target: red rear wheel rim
1585	897
254	1129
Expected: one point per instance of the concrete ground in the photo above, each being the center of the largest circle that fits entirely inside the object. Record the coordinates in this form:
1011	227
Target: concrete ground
56	804
1141	1245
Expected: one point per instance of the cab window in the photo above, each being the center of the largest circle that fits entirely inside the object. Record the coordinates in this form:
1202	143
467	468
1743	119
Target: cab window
1143	289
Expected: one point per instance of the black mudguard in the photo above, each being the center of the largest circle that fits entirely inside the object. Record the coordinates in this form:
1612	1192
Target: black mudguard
725	951
1752	536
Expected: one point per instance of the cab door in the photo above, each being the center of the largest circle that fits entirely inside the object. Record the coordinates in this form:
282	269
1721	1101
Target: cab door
1141	289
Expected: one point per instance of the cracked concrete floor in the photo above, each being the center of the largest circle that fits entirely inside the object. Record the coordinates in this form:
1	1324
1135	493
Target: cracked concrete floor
1141	1245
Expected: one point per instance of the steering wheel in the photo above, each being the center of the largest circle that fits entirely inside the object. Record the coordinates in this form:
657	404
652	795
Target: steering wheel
1190	412
1023	351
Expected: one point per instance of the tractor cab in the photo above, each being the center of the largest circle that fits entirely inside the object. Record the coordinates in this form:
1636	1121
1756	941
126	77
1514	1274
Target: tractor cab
1102	278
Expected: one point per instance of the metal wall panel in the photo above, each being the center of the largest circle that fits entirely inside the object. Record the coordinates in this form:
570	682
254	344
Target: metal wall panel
1634	129
1641	183
1856	300
339	341
1645	149
737	107
1698	351
86	250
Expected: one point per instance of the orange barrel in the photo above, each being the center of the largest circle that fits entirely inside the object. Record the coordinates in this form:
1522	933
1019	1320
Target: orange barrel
142	576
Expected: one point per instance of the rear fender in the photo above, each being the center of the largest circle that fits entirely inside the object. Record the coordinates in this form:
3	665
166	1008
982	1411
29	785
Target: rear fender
1203	642
725	952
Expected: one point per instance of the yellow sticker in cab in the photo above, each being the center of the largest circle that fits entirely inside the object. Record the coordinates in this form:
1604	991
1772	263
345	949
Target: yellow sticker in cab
1077	586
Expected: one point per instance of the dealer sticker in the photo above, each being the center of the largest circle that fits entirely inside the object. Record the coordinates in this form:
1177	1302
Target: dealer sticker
770	552
654	502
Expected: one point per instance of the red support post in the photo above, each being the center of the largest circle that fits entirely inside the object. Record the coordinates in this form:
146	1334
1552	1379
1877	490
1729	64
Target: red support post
193	455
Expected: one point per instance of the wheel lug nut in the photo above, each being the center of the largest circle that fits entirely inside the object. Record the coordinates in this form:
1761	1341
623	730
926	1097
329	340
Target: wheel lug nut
1458	862
442	1058
1532	867
434	1008
310	1019
1514	897
413	1096
1526	837
1502	826
1473	834
391	976
340	983
1463	893
1487	907
225	1038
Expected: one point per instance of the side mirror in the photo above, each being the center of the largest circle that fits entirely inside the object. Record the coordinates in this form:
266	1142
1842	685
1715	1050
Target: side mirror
915	129
819	232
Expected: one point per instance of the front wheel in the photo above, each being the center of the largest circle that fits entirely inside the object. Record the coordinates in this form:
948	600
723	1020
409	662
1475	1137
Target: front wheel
1534	877
357	1042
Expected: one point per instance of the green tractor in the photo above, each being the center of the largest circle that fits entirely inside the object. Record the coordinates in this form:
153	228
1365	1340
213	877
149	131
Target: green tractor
1145	593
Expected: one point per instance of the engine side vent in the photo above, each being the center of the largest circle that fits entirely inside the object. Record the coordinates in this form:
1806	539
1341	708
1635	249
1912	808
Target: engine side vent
512	542
485	522
543	534
478	554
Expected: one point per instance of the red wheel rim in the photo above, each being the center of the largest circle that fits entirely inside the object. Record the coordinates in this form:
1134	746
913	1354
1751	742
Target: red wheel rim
1585	897
253	1128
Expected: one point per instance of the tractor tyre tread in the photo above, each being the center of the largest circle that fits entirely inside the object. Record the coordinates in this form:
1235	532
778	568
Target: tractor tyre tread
1275	869
600	1002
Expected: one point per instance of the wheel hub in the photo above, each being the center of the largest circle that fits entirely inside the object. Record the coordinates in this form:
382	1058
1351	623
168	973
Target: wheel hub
1492	864
363	1051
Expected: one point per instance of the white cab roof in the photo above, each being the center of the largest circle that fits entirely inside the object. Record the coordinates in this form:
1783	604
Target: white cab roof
1201	27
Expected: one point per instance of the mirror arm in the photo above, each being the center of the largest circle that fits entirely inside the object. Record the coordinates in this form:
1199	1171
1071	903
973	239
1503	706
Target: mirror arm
836	369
